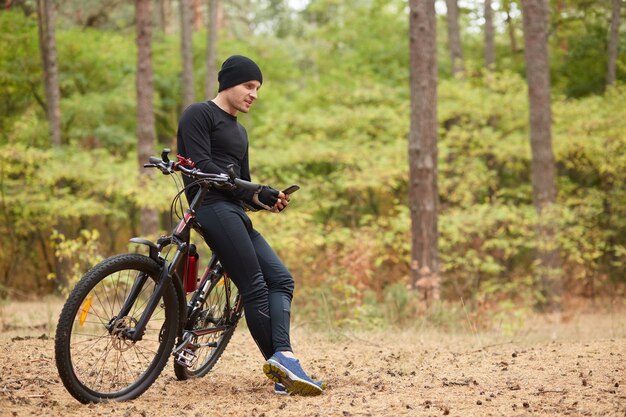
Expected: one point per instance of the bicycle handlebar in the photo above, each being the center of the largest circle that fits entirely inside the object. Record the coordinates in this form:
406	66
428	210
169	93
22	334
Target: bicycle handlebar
168	167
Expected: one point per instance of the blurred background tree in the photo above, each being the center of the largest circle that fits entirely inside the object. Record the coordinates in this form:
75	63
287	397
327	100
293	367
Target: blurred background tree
145	108
454	37
542	166
422	155
334	116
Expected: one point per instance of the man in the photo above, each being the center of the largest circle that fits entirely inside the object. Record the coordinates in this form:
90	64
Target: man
209	134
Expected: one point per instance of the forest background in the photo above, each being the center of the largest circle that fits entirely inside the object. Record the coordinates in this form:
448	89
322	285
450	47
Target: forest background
333	117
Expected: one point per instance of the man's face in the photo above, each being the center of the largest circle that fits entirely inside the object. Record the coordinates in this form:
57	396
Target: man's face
243	95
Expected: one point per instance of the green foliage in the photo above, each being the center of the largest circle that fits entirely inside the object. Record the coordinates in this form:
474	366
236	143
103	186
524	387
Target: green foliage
579	47
20	70
583	68
42	188
81	253
357	224
332	116
356	38
102	61
591	149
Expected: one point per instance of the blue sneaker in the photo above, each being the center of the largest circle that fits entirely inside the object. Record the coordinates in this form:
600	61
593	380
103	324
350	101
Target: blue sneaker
279	389
288	372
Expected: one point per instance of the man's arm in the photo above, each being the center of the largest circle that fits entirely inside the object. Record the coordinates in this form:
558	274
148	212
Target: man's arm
245	195
194	128
269	196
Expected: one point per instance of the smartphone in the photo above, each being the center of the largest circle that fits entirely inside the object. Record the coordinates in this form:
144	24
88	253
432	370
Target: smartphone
292	189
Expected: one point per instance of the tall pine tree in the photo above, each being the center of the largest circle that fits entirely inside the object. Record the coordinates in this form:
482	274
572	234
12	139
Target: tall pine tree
423	192
535	18
145	110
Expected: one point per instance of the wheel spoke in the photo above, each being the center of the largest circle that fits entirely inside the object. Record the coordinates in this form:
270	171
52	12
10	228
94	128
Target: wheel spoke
101	361
214	317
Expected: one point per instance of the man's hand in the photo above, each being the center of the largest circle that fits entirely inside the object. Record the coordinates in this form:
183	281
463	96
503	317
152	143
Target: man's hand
282	203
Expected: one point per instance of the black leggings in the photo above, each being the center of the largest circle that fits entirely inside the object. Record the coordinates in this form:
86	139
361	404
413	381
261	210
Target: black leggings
265	284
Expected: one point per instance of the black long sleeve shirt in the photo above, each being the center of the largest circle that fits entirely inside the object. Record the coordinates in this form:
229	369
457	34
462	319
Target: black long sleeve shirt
213	139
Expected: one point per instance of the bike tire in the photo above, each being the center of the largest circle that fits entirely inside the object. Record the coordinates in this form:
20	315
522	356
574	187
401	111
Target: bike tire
87	352
220	312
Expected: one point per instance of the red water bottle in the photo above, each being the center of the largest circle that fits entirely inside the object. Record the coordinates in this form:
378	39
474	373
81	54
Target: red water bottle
191	269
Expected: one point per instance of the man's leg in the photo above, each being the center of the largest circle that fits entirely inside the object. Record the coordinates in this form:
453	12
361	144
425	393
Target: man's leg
227	231
280	286
283	368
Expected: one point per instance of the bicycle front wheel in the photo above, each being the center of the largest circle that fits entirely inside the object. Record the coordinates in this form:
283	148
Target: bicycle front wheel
213	327
95	356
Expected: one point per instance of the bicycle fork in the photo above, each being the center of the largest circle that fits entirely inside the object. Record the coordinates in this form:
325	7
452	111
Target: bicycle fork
136	333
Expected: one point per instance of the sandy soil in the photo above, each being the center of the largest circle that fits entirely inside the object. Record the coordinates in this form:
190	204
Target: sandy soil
576	368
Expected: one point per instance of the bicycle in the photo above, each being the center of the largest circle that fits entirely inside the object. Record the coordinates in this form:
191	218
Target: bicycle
120	323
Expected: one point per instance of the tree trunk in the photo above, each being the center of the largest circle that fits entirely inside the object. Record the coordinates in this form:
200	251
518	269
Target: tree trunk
211	64
490	53
613	42
510	27
165	10
222	19
423	193
160	16
198	16
187	51
535	19
454	38
145	111
47	47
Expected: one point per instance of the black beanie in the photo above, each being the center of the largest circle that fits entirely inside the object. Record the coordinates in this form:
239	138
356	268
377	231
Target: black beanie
238	69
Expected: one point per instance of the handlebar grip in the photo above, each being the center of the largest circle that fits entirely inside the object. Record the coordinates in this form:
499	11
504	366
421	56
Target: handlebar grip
246	185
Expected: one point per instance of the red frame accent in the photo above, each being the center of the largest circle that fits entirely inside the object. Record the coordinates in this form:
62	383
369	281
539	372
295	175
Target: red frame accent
185	161
184	222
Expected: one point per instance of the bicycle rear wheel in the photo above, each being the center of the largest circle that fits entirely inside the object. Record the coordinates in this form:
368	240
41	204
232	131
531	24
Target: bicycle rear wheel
95	358
214	325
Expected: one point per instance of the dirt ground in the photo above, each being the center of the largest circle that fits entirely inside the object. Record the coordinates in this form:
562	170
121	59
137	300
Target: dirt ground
577	368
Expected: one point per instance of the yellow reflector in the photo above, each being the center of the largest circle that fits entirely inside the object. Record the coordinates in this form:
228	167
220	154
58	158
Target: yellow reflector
85	310
220	282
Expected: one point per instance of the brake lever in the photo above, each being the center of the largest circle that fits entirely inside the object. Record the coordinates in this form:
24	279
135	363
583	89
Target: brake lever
231	172
164	155
169	169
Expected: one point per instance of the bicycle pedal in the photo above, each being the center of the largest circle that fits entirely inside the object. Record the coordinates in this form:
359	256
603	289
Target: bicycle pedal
185	357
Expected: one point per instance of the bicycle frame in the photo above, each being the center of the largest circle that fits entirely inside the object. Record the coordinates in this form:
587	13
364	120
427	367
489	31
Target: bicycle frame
156	312
167	272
